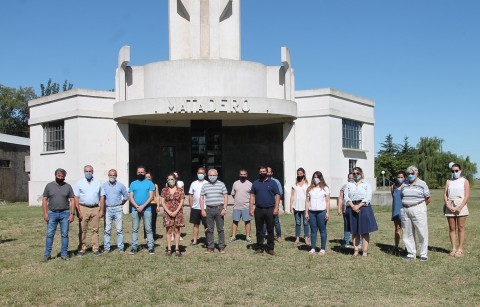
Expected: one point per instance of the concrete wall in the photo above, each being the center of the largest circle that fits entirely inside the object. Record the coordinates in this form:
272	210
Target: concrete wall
14	179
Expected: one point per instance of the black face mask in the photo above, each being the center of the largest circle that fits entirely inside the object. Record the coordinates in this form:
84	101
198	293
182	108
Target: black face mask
243	178
299	178
262	176
59	181
140	176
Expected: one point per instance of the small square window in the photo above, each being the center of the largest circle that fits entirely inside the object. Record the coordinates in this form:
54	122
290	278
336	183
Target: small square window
5	163
53	136
351	134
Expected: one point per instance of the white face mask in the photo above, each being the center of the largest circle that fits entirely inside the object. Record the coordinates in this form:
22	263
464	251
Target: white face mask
316	180
456	175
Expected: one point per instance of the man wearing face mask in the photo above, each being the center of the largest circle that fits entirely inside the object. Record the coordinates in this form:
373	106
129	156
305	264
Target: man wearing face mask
194	200
114	196
140	196
213	203
265	197
241	194
88	191
58	205
341	210
278	228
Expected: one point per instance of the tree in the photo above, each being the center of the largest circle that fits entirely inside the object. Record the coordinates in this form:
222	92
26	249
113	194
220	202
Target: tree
14	110
427	159
54	88
388	147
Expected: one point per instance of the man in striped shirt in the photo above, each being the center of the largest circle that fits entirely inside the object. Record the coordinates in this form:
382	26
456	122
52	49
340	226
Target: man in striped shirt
213	203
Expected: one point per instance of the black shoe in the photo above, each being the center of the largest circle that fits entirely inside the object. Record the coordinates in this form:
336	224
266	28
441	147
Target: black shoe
65	258
80	254
133	251
97	253
46	258
151	251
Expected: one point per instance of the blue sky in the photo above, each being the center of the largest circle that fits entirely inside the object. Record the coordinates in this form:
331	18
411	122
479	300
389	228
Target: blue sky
419	60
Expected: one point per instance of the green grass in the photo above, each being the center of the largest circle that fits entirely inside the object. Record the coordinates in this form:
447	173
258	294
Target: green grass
239	277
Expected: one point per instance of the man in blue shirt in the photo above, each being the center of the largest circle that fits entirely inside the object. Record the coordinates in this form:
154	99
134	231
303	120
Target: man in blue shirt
114	196
278	228
87	200
140	196
265	196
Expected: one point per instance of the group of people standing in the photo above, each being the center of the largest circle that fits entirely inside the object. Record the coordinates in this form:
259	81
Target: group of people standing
208	200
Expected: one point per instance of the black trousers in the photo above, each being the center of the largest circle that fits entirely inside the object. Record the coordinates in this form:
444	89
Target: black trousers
264	216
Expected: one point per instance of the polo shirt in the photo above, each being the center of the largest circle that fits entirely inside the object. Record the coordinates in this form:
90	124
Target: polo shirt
213	193
414	194
58	196
141	192
114	194
264	192
241	194
88	192
279	185
195	189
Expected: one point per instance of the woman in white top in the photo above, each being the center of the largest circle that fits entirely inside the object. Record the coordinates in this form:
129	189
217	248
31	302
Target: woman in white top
457	193
317	208
297	206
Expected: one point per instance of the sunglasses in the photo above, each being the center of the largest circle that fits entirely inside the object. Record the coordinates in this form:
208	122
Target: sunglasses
411	173
455	171
356	173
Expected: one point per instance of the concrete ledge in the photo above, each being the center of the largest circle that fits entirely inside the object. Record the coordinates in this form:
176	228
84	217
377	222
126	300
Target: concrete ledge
382	198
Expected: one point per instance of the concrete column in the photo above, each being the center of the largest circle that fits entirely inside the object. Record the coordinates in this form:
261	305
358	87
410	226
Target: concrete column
289	161
123	156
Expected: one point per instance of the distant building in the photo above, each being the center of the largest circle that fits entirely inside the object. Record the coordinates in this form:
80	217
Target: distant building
202	107
14	168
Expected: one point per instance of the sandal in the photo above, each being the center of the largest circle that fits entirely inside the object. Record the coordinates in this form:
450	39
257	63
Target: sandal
178	253
364	253
355	253
453	252
168	252
459	253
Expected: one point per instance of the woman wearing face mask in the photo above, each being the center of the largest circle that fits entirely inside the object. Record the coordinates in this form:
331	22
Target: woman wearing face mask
317	207
172	203
155	207
396	190
457	193
297	206
415	198
361	220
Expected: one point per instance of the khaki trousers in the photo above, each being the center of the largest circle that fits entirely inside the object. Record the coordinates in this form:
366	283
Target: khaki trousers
90	217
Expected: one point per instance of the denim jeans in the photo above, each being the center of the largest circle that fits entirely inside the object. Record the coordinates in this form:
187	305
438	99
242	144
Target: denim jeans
54	218
346	234
278	228
147	224
113	214
214	217
317	222
299	215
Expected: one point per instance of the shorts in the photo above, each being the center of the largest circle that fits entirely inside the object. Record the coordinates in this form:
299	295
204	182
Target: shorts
196	217
241	213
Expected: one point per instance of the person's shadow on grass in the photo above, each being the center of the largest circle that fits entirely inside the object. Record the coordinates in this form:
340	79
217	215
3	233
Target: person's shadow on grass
6	240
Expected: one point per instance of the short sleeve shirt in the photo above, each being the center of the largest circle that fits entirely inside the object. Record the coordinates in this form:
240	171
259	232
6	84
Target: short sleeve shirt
241	194
88	192
213	193
114	194
318	198
414	194
195	189
265	192
141	192
58	196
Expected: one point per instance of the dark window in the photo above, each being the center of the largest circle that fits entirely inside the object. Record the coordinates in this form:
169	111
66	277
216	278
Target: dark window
351	165
53	136
5	163
206	145
352	134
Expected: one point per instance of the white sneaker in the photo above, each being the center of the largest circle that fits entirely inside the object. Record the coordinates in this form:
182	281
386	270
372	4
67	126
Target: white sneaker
321	252
312	251
181	238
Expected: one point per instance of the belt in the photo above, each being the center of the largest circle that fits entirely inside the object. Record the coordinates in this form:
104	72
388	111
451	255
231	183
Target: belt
89	206
59	210
408	206
215	206
116	206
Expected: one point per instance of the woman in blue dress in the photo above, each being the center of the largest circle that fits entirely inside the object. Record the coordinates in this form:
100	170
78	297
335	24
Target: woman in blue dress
396	190
361	220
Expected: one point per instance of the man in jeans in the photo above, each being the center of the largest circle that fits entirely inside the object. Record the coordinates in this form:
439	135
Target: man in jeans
114	195
87	199
278	228
265	197
213	203
140	196
58	206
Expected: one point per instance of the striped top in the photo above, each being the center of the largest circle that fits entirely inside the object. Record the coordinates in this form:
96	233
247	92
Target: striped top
414	194
213	193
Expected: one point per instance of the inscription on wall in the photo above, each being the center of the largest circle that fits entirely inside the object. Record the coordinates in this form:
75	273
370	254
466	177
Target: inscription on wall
208	105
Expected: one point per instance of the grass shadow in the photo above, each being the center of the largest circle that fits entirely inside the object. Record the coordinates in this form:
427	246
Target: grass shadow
6	240
342	250
438	249
390	249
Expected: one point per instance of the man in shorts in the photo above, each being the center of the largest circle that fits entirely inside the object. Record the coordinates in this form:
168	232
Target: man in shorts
196	211
241	209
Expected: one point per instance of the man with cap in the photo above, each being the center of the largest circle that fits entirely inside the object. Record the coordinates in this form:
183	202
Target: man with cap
58	208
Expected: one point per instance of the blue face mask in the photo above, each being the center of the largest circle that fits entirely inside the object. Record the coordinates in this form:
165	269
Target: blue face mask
88	176
400	180
412	178
201	176
112	179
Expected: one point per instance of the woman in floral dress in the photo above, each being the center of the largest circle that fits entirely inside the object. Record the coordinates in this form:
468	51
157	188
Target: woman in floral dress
172	203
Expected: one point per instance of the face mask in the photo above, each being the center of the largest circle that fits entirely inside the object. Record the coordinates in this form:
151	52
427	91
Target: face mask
201	176
212	178
171	183
456	175
299	178
316	180
357	176
112	179
400	180
59	181
262	176
351	180
88	176
243	178
140	176
412	178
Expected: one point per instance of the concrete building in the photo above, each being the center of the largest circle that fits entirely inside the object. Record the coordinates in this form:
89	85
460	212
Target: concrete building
14	168
202	107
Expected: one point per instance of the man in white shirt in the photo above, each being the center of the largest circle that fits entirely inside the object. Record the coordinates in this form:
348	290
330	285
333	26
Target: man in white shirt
194	200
